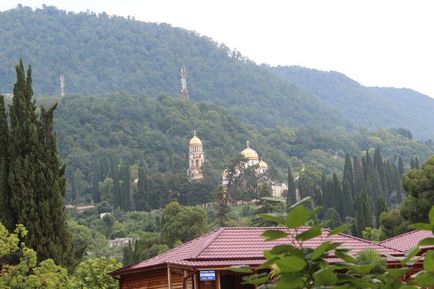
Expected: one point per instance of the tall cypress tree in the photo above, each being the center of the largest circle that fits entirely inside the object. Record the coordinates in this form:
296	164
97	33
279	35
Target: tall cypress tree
36	176
291	197
7	216
142	202
347	188
358	177
337	196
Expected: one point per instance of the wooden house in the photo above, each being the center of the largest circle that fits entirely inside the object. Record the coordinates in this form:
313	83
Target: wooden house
202	263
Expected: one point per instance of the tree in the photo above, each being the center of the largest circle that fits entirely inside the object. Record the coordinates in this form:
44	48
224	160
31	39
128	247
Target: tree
25	273
94	274
392	223
223	208
347	188
182	223
363	213
142	202
419	187
36	175
291	197
358	177
6	213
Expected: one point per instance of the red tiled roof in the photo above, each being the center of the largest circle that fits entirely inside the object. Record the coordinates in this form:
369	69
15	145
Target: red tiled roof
244	246
406	241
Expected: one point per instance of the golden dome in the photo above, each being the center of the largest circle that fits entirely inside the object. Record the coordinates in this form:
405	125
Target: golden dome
263	165
249	153
195	140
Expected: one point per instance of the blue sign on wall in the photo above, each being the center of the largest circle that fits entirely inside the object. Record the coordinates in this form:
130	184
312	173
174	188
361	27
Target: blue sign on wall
207	275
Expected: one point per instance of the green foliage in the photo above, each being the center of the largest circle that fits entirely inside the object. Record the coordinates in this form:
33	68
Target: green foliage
32	175
392	223
94	274
19	268
419	186
297	266
182	223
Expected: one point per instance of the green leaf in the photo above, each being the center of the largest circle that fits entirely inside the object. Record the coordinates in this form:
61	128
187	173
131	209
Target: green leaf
425	279
291	264
304	200
410	254
289	282
273	218
325	277
280	249
397	272
341	254
320	250
363	269
426	242
309	234
271	235
240	269
428	262
340	229
297	217
431	216
421	226
256	279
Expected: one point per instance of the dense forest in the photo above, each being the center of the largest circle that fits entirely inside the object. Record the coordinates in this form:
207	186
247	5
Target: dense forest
101	55
95	133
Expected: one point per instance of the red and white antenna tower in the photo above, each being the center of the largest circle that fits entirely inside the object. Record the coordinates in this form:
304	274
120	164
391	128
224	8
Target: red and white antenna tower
184	91
62	85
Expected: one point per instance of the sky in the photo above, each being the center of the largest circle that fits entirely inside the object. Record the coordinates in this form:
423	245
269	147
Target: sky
376	42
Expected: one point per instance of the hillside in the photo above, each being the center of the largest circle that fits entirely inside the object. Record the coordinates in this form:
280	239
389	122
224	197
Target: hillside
100	55
95	132
369	107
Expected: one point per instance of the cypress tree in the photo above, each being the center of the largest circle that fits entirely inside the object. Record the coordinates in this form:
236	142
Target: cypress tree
117	197
347	188
142	202
36	176
363	213
337	196
23	153
379	165
291	197
6	212
358	177
380	208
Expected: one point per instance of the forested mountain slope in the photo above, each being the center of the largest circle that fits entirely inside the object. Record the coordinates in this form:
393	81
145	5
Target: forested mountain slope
94	132
100	55
370	107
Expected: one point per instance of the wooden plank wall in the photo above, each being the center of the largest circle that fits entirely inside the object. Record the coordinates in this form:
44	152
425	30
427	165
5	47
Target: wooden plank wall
145	280
152	280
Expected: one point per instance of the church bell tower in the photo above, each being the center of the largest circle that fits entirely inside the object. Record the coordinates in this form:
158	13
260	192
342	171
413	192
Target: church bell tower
196	158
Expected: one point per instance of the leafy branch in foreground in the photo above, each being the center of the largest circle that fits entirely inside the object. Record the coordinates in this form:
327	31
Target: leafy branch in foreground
293	266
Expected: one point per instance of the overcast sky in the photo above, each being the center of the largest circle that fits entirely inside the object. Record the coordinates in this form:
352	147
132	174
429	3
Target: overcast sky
376	42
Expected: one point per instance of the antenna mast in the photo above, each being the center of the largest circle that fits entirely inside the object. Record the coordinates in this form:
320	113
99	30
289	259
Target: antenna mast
62	85
184	91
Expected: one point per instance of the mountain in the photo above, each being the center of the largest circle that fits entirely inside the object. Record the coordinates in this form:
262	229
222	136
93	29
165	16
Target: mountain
370	107
100	55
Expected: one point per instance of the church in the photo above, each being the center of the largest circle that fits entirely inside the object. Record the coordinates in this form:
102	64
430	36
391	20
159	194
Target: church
196	158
